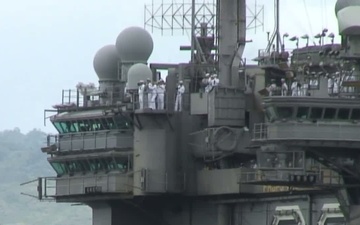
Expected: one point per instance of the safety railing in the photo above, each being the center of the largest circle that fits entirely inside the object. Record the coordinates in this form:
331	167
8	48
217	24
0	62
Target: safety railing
306	131
109	139
67	186
73	99
323	177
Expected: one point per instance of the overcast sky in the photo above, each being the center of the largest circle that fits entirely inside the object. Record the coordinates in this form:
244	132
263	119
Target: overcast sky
49	45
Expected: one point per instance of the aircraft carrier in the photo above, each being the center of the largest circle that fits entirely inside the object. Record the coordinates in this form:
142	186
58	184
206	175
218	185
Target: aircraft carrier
275	143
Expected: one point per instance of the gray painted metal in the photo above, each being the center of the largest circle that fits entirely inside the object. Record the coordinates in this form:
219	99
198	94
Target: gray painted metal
307	131
163	160
99	140
155	155
108	183
135	45
341	4
215	142
106	63
226	107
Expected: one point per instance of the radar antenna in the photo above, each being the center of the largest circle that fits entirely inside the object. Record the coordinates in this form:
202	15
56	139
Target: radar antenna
175	16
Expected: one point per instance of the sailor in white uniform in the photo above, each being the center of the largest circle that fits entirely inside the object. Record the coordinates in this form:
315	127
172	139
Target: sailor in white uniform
141	89
295	88
205	82
179	94
160	90
272	88
151	94
284	87
216	81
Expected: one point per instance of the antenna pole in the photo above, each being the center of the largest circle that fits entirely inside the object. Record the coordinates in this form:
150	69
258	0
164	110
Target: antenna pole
278	40
193	31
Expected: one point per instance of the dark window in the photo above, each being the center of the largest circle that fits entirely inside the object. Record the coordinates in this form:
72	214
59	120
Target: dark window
58	127
316	113
343	114
335	221
58	167
302	112
355	115
330	113
288	222
285	112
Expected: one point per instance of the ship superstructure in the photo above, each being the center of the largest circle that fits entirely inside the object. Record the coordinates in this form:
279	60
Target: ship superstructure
244	152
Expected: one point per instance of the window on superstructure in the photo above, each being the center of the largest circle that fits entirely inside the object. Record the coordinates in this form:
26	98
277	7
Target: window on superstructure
355	115
121	164
105	125
94	125
58	127
285	112
316	113
329	113
83	126
109	163
85	166
343	114
302	112
288	222
58	167
76	125
121	123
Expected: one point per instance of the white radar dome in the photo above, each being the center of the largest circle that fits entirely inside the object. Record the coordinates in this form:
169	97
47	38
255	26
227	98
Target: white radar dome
136	73
348	15
106	63
134	44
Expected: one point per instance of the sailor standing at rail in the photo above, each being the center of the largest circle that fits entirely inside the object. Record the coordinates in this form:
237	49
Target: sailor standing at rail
284	87
294	88
160	90
206	82
151	94
179	94
331	85
216	81
272	88
141	89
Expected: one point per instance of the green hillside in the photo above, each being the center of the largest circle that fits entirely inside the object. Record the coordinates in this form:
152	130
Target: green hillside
21	160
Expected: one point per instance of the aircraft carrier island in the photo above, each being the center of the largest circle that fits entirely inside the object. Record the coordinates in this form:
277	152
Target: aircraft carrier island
218	141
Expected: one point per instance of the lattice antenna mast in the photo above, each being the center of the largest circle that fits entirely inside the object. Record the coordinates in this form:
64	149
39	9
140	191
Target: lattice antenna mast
183	16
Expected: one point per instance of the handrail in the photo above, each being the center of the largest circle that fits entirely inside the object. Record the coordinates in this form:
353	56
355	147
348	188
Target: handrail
306	131
84	139
332	178
72	99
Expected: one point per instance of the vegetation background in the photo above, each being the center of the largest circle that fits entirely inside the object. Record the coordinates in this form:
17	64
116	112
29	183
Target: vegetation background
21	160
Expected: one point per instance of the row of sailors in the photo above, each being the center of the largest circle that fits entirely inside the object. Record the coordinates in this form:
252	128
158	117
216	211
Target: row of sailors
209	82
296	88
335	84
156	93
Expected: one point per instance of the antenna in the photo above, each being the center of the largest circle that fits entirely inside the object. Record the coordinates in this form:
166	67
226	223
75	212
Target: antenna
178	16
203	17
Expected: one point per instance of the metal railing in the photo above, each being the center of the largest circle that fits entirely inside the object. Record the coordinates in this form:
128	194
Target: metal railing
72	99
108	139
324	177
67	186
155	182
306	131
